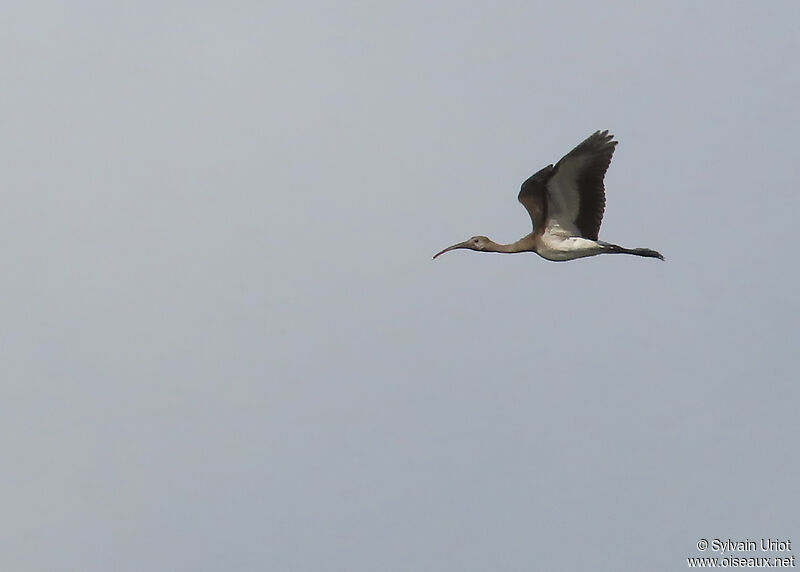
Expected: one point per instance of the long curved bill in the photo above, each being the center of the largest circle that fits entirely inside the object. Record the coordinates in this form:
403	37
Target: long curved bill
449	248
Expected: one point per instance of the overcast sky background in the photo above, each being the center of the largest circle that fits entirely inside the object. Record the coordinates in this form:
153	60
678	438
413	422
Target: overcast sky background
225	346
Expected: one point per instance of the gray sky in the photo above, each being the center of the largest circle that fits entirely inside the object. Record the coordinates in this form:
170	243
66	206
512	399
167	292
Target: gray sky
225	346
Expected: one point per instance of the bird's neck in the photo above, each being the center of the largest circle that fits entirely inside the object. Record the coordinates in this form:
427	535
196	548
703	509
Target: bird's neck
524	244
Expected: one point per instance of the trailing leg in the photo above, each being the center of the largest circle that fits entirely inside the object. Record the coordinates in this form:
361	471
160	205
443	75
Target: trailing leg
616	249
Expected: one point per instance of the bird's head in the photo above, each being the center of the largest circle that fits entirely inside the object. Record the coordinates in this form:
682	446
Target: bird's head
479	243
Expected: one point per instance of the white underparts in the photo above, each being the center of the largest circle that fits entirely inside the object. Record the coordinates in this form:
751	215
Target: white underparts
559	248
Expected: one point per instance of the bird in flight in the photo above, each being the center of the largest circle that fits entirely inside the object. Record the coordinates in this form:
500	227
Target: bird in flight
566	204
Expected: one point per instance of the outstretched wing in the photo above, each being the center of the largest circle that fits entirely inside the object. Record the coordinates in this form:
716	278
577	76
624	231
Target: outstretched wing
533	196
576	195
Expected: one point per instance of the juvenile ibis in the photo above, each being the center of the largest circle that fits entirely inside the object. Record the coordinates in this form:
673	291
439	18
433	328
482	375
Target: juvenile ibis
566	204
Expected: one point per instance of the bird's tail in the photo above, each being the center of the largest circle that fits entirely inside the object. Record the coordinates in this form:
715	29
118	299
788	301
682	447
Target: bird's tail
616	249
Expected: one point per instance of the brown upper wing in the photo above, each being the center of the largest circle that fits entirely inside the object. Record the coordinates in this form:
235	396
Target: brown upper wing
533	196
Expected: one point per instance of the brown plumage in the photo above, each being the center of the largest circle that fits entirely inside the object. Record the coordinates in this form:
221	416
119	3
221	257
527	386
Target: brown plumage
566	203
